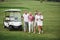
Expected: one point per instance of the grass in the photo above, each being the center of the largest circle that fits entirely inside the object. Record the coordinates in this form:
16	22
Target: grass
50	11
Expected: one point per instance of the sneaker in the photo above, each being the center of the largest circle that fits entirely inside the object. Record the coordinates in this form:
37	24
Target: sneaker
39	33
42	31
28	32
33	32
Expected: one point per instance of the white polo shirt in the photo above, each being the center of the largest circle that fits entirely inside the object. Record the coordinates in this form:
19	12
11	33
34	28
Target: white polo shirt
25	17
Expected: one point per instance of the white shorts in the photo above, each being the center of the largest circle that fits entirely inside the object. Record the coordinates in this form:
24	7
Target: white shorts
40	23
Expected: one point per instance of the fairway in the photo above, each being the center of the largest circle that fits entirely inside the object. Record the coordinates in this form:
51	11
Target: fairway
50	11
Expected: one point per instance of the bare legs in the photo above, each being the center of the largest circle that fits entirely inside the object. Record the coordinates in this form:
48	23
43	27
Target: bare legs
39	29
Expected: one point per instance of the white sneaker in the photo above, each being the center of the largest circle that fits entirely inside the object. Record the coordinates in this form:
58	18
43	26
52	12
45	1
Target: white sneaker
33	32
42	31
28	32
39	33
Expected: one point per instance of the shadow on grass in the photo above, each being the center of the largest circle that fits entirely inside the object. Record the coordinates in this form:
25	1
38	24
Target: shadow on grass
23	37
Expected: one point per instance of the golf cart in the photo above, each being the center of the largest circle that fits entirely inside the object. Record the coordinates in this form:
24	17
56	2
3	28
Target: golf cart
12	19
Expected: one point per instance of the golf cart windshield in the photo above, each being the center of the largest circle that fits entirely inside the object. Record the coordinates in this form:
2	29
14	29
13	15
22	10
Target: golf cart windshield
14	14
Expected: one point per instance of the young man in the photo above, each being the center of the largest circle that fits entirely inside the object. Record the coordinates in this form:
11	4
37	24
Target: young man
31	18
40	22
25	16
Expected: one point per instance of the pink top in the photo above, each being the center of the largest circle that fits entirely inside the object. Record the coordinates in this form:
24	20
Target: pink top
30	18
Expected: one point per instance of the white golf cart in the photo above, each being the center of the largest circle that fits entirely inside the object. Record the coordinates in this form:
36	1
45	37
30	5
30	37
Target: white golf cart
13	19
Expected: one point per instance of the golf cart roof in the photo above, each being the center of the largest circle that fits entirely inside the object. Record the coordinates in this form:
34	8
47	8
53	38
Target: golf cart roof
12	10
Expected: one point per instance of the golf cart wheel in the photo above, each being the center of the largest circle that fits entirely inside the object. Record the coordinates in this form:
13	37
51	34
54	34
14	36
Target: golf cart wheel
10	28
4	26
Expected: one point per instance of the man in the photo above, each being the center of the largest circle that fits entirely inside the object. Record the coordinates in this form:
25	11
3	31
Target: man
25	16
31	18
40	22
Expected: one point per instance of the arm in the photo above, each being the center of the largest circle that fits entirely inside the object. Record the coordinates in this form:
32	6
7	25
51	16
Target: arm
22	17
41	18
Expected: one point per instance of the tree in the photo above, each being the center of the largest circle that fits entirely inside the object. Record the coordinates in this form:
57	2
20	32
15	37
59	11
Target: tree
48	0
1	0
40	0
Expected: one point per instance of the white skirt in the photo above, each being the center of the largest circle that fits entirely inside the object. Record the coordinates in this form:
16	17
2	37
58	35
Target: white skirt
40	23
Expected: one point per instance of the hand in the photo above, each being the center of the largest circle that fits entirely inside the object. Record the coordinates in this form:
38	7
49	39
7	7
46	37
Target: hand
37	19
41	19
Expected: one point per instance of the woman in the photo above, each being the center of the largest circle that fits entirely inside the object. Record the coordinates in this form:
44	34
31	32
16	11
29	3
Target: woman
30	18
40	22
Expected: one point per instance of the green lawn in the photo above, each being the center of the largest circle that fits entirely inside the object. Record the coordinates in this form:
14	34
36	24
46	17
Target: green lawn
50	11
